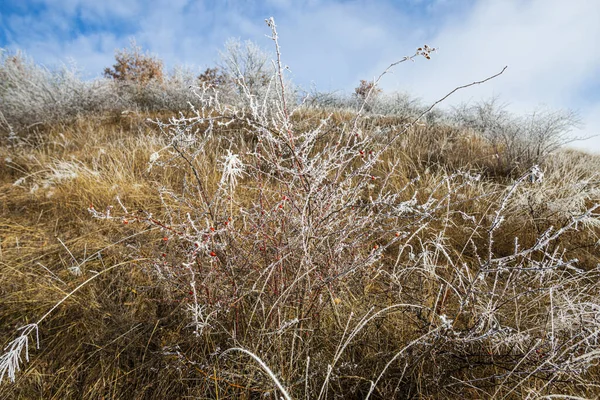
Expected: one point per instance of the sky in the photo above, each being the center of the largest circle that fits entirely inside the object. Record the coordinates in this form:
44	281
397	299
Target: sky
551	47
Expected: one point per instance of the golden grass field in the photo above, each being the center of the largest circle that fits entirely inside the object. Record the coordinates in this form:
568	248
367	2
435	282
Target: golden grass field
274	277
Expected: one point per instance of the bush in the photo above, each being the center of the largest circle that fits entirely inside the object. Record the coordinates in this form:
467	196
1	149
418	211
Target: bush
246	66
249	76
213	78
174	93
309	255
32	94
519	141
135	67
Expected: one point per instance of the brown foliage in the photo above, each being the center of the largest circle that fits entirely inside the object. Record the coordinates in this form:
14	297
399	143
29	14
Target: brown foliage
134	66
212	77
362	90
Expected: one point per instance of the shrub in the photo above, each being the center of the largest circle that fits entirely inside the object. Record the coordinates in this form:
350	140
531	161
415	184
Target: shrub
249	77
213	78
245	65
141	83
365	89
289	251
367	92
519	141
32	94
135	67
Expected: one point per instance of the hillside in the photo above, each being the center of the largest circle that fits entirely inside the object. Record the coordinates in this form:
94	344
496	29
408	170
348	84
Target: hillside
252	246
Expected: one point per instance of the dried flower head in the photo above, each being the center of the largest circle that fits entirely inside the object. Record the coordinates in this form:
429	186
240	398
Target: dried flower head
233	168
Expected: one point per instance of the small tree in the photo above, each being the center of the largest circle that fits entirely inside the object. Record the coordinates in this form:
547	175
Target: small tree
134	66
245	64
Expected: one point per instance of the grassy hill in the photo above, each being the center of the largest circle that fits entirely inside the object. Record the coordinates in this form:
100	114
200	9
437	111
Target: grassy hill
251	243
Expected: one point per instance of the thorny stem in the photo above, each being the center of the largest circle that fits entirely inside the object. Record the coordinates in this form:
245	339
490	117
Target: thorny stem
374	86
271	23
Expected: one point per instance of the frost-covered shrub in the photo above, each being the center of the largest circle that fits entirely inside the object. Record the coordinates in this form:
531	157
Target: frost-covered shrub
519	141
297	222
249	77
31	93
173	93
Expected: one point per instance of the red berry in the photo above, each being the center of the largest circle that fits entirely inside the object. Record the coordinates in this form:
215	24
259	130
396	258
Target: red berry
213	254
165	239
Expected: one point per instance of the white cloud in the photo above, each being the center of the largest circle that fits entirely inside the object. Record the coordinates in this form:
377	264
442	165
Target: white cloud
547	45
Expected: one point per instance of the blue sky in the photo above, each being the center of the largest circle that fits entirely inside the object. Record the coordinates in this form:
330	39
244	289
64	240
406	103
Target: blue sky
550	46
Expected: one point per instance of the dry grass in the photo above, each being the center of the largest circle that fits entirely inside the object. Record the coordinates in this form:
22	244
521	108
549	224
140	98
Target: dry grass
127	333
